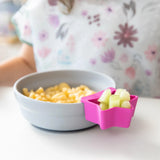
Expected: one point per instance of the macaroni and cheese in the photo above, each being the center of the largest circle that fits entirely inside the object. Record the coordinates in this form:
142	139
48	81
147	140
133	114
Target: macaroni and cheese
61	93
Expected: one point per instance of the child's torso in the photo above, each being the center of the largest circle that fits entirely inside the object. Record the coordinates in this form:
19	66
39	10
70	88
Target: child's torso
119	38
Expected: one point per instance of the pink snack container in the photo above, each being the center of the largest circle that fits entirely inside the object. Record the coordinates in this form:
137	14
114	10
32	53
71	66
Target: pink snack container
113	117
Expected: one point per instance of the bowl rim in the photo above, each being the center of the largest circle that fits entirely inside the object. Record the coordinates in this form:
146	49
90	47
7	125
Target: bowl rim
16	92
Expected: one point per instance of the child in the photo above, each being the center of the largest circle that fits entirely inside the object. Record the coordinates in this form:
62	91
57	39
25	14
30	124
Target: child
119	38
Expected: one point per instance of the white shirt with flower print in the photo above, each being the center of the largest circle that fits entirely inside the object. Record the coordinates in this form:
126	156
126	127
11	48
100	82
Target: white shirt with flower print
119	38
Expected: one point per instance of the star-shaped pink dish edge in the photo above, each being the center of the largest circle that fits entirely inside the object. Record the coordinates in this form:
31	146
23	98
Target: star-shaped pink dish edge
113	117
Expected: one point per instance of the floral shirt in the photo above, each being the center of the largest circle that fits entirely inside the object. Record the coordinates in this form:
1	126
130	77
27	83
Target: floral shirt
119	38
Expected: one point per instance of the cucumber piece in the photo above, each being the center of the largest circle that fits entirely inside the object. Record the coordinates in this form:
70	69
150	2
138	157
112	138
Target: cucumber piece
105	97
119	91
103	106
114	101
124	96
126	104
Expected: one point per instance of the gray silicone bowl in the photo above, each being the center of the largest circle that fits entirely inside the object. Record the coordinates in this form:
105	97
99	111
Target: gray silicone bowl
56	116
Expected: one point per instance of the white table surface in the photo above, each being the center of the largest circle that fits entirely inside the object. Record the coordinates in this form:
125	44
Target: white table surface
21	141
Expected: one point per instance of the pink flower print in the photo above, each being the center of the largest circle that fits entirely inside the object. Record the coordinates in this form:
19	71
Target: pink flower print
44	52
71	43
52	2
148	72
151	52
84	13
126	86
93	61
126	35
54	20
130	72
43	36
124	58
27	30
99	39
109	10
108	56
157	97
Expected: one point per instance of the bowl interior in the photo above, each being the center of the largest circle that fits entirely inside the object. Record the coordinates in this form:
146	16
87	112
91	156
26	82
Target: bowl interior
94	80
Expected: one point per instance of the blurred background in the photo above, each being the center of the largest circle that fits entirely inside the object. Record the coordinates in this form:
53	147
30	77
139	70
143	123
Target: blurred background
9	43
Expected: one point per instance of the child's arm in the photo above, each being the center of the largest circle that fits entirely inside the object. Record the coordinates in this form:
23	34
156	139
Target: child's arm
17	67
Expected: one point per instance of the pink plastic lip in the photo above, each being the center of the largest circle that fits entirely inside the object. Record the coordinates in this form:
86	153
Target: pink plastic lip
113	117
